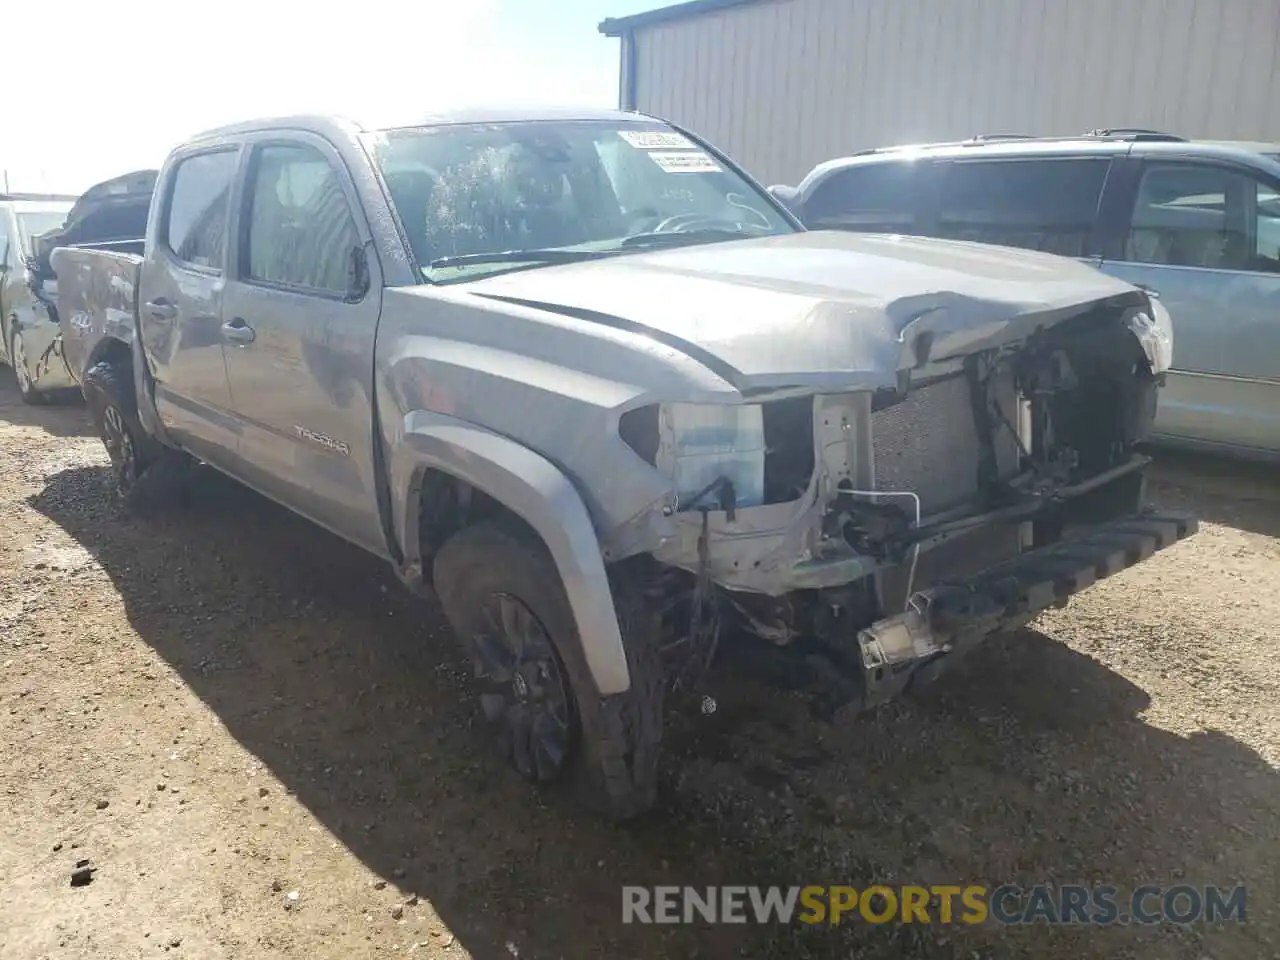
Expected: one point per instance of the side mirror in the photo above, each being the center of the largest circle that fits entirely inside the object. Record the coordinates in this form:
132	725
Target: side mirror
784	195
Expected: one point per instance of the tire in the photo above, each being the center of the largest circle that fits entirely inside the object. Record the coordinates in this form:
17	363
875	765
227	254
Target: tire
18	360
610	759
108	389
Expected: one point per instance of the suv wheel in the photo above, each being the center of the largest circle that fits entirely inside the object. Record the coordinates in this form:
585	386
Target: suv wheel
503	596
18	359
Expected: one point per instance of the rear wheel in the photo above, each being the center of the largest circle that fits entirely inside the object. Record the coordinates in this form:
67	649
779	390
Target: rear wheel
504	598
18	357
108	388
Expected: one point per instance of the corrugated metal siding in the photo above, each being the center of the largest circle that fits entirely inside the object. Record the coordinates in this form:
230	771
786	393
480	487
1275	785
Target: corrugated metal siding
784	85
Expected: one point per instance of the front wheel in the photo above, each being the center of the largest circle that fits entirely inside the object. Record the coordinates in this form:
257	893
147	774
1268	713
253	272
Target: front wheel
503	596
18	358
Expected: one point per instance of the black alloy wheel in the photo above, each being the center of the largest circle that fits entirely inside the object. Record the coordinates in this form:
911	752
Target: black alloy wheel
525	691
121	449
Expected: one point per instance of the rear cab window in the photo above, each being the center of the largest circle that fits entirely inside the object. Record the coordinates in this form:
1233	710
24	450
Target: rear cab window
195	224
1046	204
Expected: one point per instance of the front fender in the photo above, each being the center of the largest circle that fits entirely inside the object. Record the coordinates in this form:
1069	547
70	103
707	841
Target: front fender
539	493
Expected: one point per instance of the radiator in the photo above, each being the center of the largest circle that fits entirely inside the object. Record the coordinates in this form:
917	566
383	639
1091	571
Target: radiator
928	443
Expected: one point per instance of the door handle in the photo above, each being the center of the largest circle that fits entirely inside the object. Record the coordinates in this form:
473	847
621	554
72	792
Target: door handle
161	309
237	331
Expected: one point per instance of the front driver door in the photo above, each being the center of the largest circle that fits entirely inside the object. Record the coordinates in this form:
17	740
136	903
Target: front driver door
301	313
1206	238
180	305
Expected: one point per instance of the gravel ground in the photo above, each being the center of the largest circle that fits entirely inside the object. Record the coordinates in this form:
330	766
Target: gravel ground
264	747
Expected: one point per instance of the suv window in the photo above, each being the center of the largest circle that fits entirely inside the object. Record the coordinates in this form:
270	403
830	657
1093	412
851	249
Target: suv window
1043	204
300	232
9	248
34	224
196	225
868	197
1192	215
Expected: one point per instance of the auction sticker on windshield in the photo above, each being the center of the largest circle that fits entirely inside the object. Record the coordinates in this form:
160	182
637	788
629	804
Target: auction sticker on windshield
654	140
685	161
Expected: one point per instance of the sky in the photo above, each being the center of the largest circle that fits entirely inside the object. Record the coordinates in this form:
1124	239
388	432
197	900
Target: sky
106	88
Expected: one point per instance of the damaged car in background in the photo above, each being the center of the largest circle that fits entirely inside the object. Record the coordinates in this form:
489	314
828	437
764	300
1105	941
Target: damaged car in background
28	335
586	379
107	216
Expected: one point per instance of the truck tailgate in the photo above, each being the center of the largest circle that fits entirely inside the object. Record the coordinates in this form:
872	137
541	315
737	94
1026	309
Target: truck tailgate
97	298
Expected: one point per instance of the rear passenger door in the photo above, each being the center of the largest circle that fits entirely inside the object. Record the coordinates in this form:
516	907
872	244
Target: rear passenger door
1206	237
1040	203
301	316
181	290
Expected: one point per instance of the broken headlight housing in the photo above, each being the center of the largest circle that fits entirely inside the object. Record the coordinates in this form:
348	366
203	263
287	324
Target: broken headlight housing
1154	330
704	448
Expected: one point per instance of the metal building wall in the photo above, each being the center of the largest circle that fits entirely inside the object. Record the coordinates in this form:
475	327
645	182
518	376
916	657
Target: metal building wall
784	84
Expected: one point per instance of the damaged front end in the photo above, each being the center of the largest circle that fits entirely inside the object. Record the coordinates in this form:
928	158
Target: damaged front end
876	534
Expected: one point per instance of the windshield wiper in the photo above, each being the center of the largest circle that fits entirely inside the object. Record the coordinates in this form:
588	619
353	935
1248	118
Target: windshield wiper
676	238
549	255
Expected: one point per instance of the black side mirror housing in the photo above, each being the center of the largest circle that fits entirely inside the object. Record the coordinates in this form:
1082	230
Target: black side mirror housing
784	195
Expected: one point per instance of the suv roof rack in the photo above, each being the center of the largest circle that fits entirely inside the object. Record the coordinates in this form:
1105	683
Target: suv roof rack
984	137
1134	133
980	139
973	141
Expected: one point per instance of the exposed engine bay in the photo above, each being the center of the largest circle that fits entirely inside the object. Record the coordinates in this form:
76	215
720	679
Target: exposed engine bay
857	533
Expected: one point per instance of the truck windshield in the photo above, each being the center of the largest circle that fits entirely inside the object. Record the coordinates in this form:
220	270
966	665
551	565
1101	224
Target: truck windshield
472	197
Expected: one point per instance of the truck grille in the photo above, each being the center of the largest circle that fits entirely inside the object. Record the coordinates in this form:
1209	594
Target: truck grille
928	443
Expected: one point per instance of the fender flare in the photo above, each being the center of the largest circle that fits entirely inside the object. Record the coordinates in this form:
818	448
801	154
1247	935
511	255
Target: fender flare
537	491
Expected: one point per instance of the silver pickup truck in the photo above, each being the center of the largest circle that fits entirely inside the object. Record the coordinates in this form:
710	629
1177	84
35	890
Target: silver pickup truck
586	379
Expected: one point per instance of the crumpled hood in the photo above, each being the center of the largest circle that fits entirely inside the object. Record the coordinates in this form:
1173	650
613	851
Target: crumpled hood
818	308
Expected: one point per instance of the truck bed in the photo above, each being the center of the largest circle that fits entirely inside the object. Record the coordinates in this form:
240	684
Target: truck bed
96	297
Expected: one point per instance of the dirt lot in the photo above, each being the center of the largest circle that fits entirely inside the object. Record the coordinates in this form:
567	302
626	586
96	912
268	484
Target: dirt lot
223	707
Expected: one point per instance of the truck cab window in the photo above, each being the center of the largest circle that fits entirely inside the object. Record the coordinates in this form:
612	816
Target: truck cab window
300	230
196	225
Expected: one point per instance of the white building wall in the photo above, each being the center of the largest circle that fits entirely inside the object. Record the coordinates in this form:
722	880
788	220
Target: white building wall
784	84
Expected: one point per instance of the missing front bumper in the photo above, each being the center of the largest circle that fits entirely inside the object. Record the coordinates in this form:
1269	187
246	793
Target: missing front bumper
947	619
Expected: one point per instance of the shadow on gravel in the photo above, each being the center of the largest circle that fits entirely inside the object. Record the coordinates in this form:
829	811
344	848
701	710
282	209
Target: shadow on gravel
63	413
1031	764
1234	493
352	693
